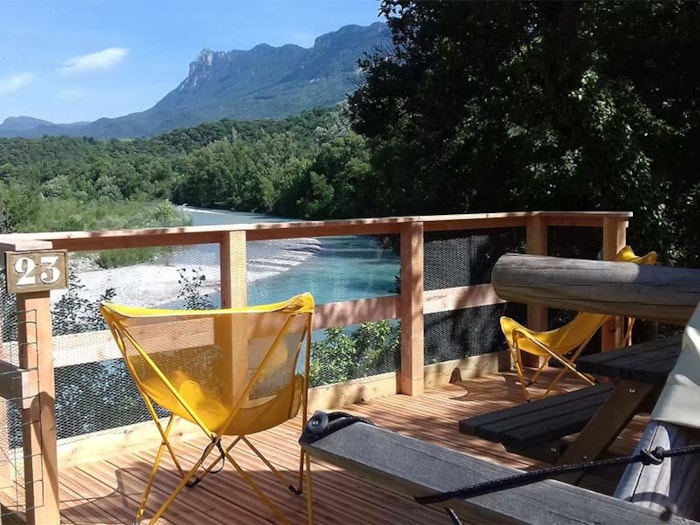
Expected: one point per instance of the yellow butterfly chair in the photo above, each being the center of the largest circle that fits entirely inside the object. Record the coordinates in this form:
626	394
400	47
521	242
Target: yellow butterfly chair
231	372
569	339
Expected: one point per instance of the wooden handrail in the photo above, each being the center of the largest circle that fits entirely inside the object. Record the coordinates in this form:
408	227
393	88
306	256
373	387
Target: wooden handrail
187	235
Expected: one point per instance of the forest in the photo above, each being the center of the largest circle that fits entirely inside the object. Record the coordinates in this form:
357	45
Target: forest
477	107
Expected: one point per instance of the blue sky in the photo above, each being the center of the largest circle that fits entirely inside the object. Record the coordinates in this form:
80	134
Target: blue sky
73	60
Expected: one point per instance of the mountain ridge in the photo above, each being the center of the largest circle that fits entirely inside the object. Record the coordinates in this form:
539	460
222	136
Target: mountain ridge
263	82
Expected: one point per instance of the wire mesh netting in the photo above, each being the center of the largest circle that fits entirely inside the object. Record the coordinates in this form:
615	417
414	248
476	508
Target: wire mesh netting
14	422
94	390
466	258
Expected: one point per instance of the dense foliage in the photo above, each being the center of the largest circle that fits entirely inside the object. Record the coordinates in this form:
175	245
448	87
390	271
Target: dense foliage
370	349
497	106
309	166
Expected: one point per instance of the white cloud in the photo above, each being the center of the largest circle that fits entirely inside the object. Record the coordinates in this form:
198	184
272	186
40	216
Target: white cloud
105	59
71	94
13	83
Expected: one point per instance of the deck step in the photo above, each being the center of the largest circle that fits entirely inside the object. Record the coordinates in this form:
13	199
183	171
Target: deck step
540	421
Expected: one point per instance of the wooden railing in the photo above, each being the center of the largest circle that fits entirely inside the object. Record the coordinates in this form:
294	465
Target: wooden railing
32	378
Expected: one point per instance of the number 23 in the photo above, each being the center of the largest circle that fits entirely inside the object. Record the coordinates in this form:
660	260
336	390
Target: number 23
26	268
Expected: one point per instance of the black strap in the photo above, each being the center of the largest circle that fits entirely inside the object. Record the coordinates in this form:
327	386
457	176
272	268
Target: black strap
222	457
322	424
647	457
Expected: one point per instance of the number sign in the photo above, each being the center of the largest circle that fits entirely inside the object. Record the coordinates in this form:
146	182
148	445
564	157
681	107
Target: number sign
36	271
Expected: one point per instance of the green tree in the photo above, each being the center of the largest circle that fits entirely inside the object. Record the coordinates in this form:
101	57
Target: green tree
217	175
373	348
191	290
497	106
73	314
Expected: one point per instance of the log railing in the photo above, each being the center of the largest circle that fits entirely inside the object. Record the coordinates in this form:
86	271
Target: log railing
655	293
35	367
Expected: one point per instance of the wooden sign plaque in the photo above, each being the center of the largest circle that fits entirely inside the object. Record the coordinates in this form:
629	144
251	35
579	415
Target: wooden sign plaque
36	271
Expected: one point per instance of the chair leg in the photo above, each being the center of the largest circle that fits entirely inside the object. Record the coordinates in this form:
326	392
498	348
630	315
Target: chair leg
567	367
309	493
252	484
536	376
272	468
183	483
521	374
255	488
165	444
211	465
300	485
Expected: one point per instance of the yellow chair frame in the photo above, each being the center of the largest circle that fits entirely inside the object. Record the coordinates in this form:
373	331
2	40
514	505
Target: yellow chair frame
570	339
185	398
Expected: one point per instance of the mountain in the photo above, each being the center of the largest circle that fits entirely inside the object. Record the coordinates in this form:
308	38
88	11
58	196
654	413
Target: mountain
263	82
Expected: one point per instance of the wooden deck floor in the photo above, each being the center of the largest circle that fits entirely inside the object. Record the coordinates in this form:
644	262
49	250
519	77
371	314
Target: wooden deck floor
108	491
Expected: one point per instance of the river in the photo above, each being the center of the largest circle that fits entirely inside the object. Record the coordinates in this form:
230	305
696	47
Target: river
331	268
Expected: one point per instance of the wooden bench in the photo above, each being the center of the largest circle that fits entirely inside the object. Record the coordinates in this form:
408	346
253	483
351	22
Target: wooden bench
649	362
418	468
532	427
535	429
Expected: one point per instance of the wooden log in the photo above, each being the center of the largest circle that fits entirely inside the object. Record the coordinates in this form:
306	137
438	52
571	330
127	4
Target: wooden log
673	482
656	293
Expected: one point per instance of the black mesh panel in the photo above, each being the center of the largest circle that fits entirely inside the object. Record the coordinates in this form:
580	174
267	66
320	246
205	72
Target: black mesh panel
466	258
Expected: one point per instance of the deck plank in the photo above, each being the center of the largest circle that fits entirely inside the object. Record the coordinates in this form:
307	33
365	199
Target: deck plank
107	491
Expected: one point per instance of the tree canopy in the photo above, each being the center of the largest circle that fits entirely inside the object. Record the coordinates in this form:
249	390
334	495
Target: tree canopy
497	106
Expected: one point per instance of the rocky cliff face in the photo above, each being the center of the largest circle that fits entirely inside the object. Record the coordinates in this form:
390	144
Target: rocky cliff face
263	82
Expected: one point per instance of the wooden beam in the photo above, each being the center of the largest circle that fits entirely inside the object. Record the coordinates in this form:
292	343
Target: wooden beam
537	244
457	371
92	347
15	243
234	293
234	289
458	298
39	419
346	313
411	309
16	382
614	239
657	293
607	423
88	448
337	395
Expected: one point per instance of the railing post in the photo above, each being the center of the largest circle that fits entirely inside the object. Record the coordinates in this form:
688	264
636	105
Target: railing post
537	316
34	337
614	239
234	293
234	288
36	271
411	309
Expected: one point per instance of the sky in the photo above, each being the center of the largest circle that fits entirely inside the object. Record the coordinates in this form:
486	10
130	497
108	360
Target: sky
79	60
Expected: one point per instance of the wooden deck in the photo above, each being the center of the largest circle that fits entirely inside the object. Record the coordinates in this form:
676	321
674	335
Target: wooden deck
108	491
